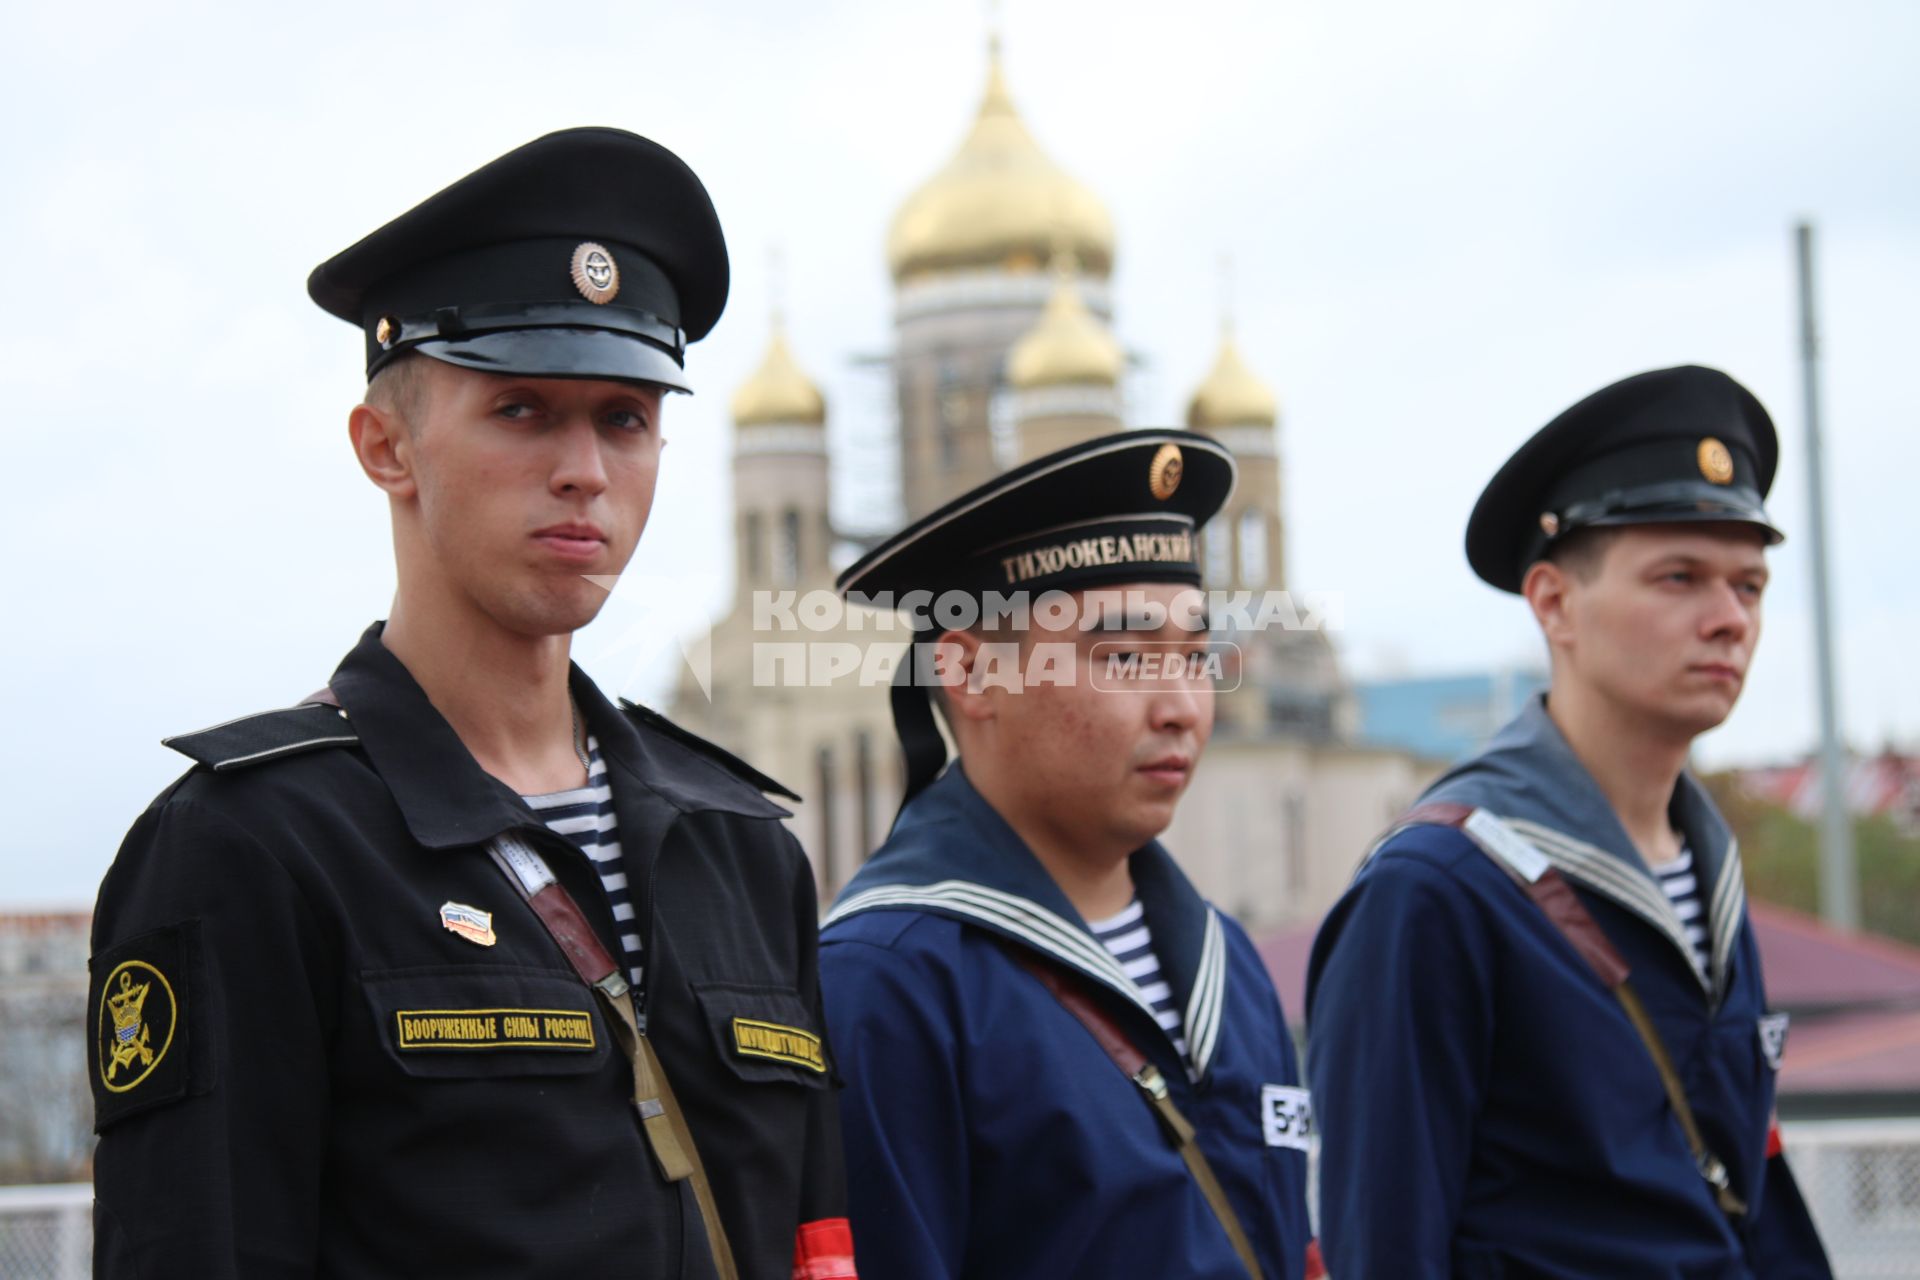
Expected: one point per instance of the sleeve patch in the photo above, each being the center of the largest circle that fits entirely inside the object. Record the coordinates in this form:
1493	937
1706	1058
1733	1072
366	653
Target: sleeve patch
137	1011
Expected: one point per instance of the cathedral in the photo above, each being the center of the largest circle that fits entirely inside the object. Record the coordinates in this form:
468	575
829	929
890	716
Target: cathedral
1003	349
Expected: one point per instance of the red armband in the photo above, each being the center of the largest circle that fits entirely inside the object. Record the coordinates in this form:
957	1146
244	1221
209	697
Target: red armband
1774	1145
823	1250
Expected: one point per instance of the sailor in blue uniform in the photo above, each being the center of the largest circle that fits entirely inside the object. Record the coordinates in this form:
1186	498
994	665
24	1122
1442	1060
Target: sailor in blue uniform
1029	1003
1490	1003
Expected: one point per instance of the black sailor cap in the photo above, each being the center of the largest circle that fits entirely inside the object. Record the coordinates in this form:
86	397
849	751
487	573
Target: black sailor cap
1669	446
588	253
1117	508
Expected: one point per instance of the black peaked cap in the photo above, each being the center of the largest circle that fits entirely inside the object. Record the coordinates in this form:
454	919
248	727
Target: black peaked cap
590	252
1669	446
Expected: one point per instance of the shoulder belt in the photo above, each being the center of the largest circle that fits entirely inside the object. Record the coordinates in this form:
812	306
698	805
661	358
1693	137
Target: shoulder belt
648	718
1564	910
318	721
661	1119
1070	991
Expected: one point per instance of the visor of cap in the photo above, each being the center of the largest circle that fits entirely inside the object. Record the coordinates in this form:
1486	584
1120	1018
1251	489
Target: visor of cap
561	353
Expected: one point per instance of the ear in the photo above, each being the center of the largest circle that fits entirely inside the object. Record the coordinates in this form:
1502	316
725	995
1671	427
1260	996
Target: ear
966	698
385	449
1549	590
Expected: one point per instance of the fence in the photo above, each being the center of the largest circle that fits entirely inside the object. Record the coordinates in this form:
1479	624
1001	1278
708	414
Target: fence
1861	1178
46	1233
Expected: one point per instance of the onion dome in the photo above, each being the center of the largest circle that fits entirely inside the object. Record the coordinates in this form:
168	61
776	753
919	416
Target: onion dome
1230	395
1069	345
1000	202
778	392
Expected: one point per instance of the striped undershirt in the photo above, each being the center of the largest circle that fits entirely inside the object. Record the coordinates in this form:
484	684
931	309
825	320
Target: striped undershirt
1126	935
1682	888
584	815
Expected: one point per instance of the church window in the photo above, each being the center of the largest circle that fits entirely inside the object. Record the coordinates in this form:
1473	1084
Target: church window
756	552
788	569
1253	548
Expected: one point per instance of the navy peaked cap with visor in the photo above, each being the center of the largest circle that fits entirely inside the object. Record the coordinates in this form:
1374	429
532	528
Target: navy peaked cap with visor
1122	508
588	253
1672	446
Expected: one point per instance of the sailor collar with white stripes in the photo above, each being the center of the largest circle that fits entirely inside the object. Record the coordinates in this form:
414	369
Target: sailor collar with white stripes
1530	779
953	855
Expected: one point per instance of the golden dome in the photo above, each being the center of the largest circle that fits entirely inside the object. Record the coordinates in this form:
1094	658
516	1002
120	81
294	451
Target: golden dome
1231	395
1069	345
778	391
1000	202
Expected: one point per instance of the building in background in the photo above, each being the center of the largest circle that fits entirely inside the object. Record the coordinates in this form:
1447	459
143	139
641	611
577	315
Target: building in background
1443	717
1003	349
1888	783
46	1109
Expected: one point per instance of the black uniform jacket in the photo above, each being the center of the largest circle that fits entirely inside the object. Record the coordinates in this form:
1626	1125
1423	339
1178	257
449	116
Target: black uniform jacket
302	1067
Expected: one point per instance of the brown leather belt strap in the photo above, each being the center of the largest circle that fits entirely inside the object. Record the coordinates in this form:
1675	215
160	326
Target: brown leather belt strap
1564	910
1153	1086
660	1116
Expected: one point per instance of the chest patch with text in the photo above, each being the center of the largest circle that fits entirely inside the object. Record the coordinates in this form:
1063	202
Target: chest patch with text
1286	1116
791	1045
431	1030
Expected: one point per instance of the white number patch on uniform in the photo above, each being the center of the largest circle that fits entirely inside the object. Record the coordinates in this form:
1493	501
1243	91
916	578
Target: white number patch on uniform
1286	1116
1773	1038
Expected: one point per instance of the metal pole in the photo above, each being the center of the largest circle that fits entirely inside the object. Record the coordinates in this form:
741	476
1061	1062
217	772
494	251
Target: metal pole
1839	881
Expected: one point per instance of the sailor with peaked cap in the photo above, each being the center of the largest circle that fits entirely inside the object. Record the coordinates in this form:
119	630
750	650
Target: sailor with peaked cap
457	967
988	1134
1538	1034
590	253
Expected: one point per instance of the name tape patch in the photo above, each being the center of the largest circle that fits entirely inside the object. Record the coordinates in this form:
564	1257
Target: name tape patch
422	1030
755	1039
1286	1116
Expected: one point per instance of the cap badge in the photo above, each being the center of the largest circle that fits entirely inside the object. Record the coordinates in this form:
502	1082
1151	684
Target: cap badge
1164	472
595	274
1716	464
386	331
471	923
1549	523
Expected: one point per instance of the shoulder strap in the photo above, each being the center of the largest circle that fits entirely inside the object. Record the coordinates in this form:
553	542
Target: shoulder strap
268	735
1564	910
660	1115
649	718
1133	1064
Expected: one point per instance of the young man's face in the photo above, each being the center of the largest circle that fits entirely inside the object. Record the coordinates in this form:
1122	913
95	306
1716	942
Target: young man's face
527	485
1108	754
1665	626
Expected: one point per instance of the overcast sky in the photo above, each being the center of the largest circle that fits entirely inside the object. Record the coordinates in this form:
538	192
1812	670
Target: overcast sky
1447	223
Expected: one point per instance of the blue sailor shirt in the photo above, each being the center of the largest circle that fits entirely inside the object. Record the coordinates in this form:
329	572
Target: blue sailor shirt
1486	1106
987	1134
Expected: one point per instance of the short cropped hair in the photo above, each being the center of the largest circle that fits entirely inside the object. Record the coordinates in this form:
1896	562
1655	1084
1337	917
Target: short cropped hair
1581	552
401	389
